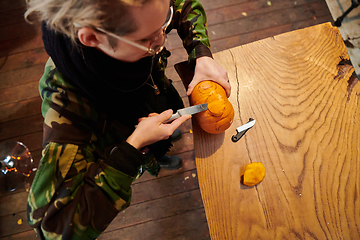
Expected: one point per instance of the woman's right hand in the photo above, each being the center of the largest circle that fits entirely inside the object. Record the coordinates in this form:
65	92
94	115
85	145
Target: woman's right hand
151	129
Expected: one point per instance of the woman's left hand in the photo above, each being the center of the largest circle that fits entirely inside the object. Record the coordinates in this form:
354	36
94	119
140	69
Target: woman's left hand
207	69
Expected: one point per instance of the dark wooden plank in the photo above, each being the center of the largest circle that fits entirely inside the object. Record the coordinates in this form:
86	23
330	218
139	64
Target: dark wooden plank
253	8
23	60
187	157
4	204
19	93
216	14
18	43
179	55
188	225
146	192
184	128
18	127
168	183
14	11
231	21
225	43
149	211
180	87
268	20
188	164
281	13
164	186
16	27
18	203
8	5
13	16
185	144
9	224
27	235
214	4
33	140
20	109
21	76
18	30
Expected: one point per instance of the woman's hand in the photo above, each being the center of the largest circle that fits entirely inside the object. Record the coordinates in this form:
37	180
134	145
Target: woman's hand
207	69
152	129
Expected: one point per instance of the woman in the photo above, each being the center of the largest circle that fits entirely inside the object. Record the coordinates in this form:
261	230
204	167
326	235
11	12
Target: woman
105	98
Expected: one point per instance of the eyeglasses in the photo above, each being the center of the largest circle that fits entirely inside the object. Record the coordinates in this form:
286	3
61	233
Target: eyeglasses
155	47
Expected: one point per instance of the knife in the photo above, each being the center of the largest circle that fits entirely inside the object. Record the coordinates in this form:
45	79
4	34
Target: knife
187	111
243	129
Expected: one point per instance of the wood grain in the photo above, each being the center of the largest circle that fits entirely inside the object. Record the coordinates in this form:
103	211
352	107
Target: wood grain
302	93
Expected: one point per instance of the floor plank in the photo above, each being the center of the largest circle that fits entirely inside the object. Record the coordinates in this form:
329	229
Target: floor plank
188	225
170	206
153	192
27	235
21	76
9	224
145	188
279	21
18	127
20	109
23	60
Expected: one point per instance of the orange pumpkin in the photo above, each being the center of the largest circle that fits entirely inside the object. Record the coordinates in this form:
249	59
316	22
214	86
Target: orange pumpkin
254	174
220	113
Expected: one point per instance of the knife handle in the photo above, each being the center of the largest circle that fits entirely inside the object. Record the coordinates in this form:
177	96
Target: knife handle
172	118
238	135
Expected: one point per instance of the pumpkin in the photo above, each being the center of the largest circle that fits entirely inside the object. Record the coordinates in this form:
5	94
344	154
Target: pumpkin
254	174
220	113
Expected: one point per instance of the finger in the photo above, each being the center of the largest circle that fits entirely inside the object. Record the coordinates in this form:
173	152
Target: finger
165	115
224	83
227	88
189	90
227	85
192	85
152	114
177	122
141	119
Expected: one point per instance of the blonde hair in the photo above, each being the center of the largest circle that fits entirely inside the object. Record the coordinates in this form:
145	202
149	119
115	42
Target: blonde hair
65	16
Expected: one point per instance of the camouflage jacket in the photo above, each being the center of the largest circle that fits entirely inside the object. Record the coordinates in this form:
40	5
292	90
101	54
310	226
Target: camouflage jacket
79	187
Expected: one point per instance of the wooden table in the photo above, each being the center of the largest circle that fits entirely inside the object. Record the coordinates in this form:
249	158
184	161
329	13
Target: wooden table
306	102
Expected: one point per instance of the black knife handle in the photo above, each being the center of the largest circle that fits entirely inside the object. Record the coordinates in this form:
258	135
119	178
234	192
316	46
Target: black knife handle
239	135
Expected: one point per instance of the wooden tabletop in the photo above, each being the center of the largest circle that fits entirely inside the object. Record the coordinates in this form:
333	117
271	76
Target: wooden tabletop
301	90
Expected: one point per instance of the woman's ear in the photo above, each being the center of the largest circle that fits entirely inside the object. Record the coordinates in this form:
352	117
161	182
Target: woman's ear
89	37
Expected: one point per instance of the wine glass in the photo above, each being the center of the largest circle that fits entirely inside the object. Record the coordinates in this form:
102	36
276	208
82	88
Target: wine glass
15	165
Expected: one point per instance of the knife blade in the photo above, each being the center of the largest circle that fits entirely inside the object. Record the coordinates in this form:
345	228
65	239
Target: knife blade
243	129
187	111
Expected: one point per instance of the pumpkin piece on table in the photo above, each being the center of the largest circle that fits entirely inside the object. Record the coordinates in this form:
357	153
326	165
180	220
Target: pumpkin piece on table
220	113
254	174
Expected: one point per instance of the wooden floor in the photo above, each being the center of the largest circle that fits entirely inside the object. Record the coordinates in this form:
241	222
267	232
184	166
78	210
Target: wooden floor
167	207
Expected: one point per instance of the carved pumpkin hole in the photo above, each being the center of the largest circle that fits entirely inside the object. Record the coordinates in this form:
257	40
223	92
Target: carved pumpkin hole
206	87
216	106
219	125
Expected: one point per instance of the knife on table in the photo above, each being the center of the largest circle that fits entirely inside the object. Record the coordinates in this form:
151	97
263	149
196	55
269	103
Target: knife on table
187	111
243	129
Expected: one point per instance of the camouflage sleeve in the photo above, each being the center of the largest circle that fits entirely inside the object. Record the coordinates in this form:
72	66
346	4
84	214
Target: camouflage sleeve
190	22
73	196
79	188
